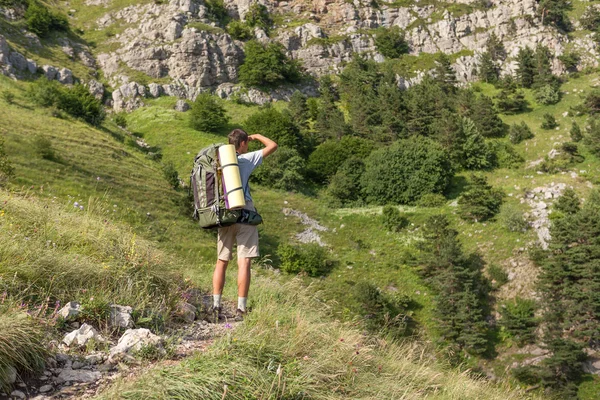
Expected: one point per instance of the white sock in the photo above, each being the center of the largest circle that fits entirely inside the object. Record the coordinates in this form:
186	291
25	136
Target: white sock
216	300
242	303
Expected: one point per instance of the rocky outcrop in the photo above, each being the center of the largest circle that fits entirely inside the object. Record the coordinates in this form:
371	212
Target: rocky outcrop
13	63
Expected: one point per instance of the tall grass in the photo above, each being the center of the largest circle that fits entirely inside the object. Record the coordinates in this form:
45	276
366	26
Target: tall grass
289	349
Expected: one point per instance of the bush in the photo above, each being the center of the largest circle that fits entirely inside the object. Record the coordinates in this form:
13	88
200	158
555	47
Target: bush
41	21
258	16
277	126
547	94
267	65
592	102
519	132
44	92
325	160
390	42
405	171
345	184
207	114
481	201
498	275
282	170
432	200
575	132
512	218
511	101
381	310
549	122
7	171
570	61
239	30
8	96
310	259
121	120
590	19
505	155
392	219
43	148
171	174
216	10
568	203
518	320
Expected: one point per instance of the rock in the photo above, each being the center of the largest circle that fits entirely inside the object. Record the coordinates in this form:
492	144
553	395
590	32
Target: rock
65	76
120	316
182	106
45	388
10	373
62	358
96	89
155	90
82	376
70	311
18	394
50	72
82	335
134	340
186	312
77	365
94	359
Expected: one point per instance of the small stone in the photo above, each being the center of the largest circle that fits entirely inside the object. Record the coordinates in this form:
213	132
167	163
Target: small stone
70	375
70	311
120	316
94	359
82	335
78	365
45	388
186	312
18	394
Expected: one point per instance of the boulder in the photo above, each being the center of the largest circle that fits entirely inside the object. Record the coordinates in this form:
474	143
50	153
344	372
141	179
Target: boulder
70	311
80	375
10	373
182	106
82	335
155	90
96	89
134	340
120	316
49	72
65	76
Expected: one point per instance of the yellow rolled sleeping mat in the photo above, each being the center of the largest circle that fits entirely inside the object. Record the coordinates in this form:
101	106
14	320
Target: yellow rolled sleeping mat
232	181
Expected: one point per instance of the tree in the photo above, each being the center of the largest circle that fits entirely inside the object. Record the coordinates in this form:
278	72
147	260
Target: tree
444	73
570	60
392	111
41	21
489	72
486	118
477	154
590	19
424	105
282	170
519	132
549	121
547	95
481	201
526	69
405	171
6	169
390	42
554	12
278	126
330	122
495	48
258	16
592	102
518	320
592	137
575	132
207	114
325	160
267	65
511	101
568	203
299	109
345	184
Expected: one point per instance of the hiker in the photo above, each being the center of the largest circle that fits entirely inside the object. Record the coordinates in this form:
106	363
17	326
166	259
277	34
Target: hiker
246	236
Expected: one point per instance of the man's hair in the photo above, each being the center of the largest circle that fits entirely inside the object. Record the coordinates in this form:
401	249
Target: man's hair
236	137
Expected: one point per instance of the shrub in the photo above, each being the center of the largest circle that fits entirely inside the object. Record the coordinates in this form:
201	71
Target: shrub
392	219
277	126
432	200
481	201
207	114
547	94
239	30
403	172
171	174
382	311
258	16
505	155
282	170
568	203
267	65
7	171
519	132
44	92
41	21
549	121
590	19
511	101
325	160
570	60
43	148
512	218
310	259
121	120
8	96
80	103
575	132
345	184
216	10
498	275
518	320
390	42
592	102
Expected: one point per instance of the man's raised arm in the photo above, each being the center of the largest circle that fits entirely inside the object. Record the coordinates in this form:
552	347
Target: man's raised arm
270	146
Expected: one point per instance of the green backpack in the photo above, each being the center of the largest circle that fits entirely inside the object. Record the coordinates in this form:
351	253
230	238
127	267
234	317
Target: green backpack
207	186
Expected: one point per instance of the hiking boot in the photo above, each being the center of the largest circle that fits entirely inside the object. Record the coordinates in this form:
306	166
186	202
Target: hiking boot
215	312
239	315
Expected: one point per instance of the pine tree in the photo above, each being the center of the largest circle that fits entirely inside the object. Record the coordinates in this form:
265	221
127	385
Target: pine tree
568	203
575	132
299	109
488	70
476	152
549	121
543	69
495	47
526	70
424	103
481	201
448	132
392	111
444	74
554	12
330	121
486	118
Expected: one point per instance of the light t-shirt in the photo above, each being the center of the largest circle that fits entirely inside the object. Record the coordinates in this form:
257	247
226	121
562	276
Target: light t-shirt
248	163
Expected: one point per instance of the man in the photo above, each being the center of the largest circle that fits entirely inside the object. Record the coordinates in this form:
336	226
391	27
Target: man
246	236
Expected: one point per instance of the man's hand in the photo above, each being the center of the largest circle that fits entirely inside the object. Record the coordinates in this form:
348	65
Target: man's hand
270	146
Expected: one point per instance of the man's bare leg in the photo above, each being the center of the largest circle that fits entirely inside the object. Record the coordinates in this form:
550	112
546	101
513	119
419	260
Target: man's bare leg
219	282
243	281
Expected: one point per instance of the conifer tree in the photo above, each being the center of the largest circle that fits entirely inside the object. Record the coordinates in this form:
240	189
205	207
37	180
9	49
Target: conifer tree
477	154
481	201
575	132
568	203
424	103
392	111
488	70
592	137
495	48
526	67
298	109
554	12
330	121
444	74
486	118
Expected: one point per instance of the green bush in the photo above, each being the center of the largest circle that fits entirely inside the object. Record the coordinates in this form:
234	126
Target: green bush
8	96
344	186
505	155
512	218
392	219
43	148
568	203
405	171
41	21
549	122
171	175
382	311
310	259
7	171
216	10
282	170
518	320
267	65
481	201
497	275
432	200
391	42
121	120
547	95
575	132
44	92
325	160
258	16
570	60
277	126
207	114
519	132
240	31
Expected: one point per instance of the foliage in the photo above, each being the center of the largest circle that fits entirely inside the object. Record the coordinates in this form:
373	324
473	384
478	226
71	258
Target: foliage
477	154
330	122
518	320
44	92
481	201
282	170
299	109
171	174
41	21
121	120
8	96
7	170
570	60
505	155
309	259
526	69
405	171
431	200
497	275
391	42
512	218
511	101
258	16
519	132
383	311
568	203
239	30
277	126
216	10
549	121
267	65
325	160
488	71
486	118
547	95
495	47
575	132
344	186
592	102
392	219
461	300
207	114
554	12
43	148
444	74
590	19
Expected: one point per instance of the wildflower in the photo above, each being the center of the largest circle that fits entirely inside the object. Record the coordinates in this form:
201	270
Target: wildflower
81	208
97	178
228	326
76	204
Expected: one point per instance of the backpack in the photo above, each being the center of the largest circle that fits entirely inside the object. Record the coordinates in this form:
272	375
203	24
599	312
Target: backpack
207	186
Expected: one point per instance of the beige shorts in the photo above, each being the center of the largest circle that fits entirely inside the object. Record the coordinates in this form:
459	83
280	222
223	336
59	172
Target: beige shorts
246	237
